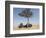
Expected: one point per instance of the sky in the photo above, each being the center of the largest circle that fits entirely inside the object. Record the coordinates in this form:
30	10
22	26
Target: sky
34	19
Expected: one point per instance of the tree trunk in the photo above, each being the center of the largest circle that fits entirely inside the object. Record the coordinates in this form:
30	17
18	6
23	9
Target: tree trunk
27	21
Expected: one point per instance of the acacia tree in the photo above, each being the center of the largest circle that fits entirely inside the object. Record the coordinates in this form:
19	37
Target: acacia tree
26	13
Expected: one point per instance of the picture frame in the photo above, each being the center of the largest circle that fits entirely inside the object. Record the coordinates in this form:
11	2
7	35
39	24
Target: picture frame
9	5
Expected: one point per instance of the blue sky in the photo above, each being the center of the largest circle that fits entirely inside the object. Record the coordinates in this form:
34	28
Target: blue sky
18	19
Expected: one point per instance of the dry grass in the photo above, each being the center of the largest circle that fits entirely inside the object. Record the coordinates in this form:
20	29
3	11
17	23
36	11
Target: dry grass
29	28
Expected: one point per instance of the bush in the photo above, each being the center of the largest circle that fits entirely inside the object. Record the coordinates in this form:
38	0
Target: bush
21	25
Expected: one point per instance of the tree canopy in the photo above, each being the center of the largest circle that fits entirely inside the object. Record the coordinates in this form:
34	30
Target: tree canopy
26	13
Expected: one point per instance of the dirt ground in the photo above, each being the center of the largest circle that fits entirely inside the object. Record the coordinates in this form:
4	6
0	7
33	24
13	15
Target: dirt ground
29	28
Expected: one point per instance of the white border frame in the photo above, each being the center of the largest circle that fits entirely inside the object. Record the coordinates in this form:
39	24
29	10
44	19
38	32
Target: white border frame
24	31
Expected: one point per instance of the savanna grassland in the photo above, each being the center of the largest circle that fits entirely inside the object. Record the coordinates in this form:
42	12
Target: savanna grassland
28	28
